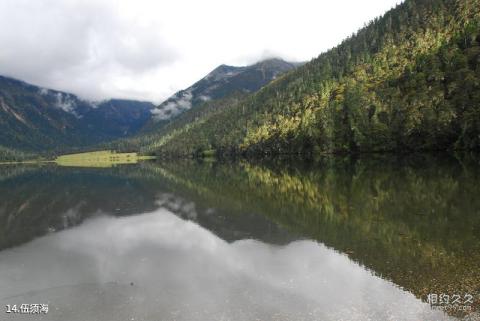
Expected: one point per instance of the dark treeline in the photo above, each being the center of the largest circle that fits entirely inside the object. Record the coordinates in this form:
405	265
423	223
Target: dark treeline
11	155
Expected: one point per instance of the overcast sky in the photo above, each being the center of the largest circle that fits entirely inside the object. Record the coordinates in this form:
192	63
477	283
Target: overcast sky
149	49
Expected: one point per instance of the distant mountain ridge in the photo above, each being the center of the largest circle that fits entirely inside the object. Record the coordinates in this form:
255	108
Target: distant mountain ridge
34	118
221	82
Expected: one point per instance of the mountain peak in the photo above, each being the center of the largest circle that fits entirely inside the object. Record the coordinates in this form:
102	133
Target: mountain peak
220	82
223	71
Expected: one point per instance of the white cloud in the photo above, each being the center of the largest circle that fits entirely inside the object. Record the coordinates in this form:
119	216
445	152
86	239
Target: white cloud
64	102
148	49
179	103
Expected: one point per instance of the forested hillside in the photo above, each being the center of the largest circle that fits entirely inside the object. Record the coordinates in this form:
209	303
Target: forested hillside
409	80
40	119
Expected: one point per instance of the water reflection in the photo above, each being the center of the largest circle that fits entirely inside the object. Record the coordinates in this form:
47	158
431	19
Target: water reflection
36	201
158	266
288	240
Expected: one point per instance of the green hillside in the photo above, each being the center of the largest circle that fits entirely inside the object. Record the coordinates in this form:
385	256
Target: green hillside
409	80
36	119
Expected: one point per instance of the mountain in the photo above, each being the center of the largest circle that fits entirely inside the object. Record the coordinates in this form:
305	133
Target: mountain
218	90
148	142
37	119
408	81
119	117
221	82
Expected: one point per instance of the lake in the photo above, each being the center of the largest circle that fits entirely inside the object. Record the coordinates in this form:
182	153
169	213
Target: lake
373	238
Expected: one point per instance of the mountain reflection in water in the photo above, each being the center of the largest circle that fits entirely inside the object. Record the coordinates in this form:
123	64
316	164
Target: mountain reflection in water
290	240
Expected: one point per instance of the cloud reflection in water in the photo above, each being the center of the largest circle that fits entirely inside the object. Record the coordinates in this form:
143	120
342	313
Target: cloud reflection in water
157	266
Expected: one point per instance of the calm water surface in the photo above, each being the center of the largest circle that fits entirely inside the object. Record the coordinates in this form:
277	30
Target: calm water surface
292	240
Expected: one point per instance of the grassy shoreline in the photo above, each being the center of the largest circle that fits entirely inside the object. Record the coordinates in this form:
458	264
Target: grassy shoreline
105	158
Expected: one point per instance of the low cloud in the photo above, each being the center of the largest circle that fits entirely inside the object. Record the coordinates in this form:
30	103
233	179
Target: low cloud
177	104
148	49
80	46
